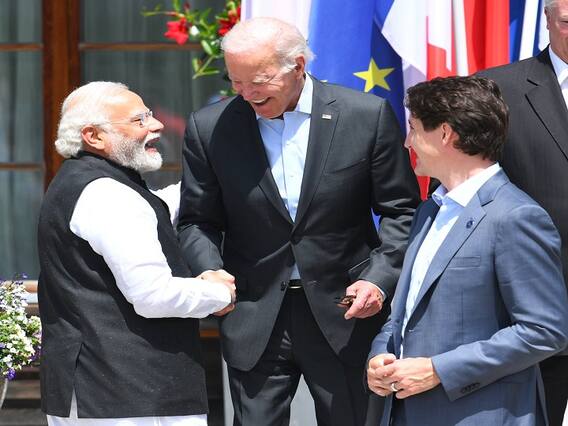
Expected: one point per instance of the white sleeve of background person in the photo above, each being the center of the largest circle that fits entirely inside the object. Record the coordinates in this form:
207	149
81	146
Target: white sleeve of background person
296	12
121	227
171	196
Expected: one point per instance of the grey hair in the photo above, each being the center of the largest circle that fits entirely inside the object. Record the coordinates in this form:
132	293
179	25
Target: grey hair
286	40
85	105
549	3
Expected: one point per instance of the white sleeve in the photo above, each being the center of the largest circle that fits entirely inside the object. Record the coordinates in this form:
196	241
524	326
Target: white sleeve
122	227
171	196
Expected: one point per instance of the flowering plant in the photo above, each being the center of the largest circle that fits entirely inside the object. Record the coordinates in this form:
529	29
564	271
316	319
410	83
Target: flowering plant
195	25
20	335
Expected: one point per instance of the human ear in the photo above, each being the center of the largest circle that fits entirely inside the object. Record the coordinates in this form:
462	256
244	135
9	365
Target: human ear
91	137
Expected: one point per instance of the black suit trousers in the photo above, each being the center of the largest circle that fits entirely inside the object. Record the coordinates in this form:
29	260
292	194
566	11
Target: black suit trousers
262	396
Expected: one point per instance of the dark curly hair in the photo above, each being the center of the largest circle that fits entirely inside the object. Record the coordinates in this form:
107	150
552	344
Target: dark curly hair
472	106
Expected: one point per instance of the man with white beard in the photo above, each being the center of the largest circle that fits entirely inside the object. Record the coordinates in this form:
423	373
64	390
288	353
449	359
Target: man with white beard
119	312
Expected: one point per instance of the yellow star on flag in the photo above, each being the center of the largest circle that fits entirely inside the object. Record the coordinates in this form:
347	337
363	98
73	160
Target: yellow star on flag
374	76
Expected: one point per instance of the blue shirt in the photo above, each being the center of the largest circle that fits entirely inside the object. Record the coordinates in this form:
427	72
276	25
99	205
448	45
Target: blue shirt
286	144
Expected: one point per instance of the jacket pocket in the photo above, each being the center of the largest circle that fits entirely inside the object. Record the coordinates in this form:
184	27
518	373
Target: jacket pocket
465	262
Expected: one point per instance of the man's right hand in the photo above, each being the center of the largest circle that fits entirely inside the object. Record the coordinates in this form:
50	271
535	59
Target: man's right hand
222	277
378	377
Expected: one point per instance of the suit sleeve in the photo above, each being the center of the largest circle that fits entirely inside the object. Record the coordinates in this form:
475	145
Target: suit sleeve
201	215
529	278
395	196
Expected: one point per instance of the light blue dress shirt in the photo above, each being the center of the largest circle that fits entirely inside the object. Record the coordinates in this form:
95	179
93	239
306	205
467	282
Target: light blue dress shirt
451	205
561	70
286	144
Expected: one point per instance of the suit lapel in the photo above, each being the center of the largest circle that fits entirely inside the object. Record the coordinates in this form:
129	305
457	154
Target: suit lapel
323	121
467	222
547	101
254	157
424	222
460	232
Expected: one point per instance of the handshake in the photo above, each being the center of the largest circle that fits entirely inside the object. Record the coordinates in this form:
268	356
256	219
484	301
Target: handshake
224	278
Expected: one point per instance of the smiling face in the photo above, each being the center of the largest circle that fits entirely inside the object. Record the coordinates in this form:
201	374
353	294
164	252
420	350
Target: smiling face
557	24
427	145
130	142
269	89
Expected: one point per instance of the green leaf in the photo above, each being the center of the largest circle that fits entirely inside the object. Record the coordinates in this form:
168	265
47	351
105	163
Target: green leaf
156	11
176	4
210	71
196	64
207	47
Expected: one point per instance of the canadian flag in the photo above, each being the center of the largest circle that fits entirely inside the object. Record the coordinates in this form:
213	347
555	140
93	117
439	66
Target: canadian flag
439	38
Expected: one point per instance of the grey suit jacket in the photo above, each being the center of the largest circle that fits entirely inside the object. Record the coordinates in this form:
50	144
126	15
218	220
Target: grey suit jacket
492	305
232	216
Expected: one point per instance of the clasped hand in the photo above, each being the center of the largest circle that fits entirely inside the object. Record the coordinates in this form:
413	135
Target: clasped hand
222	277
406	376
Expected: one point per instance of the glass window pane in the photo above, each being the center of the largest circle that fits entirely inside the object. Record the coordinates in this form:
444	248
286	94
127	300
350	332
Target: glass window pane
21	107
123	20
163	80
20	21
20	198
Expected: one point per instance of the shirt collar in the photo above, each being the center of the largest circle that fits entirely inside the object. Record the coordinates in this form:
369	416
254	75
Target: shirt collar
560	67
464	192
304	102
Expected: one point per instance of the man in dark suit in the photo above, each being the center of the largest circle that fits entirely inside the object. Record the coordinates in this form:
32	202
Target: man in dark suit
481	299
278	187
536	154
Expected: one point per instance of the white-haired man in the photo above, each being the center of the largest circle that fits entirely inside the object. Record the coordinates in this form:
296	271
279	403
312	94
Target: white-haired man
278	187
536	154
120	334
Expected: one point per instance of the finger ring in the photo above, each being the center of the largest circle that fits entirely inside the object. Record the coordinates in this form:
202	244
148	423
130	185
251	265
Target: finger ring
393	387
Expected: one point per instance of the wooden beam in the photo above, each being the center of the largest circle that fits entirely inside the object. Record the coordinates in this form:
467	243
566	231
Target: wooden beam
139	46
61	70
21	166
19	47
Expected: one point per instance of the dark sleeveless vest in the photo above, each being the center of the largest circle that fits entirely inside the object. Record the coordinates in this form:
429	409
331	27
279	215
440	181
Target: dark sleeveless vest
119	363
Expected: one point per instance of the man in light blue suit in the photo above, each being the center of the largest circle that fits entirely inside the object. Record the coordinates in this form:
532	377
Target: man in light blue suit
481	298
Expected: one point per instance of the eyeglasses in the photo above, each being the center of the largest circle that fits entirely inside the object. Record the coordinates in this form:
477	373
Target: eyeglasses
262	81
142	119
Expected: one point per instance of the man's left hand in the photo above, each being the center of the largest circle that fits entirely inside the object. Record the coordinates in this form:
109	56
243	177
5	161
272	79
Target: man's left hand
411	376
368	300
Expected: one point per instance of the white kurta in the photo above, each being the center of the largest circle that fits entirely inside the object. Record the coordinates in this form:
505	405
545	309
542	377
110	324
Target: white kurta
121	226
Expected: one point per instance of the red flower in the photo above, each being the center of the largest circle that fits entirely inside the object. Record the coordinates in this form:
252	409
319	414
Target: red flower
178	31
225	24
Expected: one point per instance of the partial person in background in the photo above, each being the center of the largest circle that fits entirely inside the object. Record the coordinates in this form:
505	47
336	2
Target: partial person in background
481	299
278	187
536	154
120	339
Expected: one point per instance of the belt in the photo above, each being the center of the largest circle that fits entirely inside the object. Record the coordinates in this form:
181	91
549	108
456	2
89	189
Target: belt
291	284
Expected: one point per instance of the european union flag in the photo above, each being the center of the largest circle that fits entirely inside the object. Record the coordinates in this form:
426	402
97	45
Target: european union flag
351	51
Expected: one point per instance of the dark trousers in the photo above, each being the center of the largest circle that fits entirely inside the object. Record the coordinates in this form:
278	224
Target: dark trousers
398	413
555	377
262	396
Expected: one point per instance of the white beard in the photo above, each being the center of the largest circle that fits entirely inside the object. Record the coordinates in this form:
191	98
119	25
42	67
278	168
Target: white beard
132	154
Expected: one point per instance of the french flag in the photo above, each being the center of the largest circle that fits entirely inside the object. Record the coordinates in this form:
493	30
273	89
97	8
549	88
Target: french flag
439	38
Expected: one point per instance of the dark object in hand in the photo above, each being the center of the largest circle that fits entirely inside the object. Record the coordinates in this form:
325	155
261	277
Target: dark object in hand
346	300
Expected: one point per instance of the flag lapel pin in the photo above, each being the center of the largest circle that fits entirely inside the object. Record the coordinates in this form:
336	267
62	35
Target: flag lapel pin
326	116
